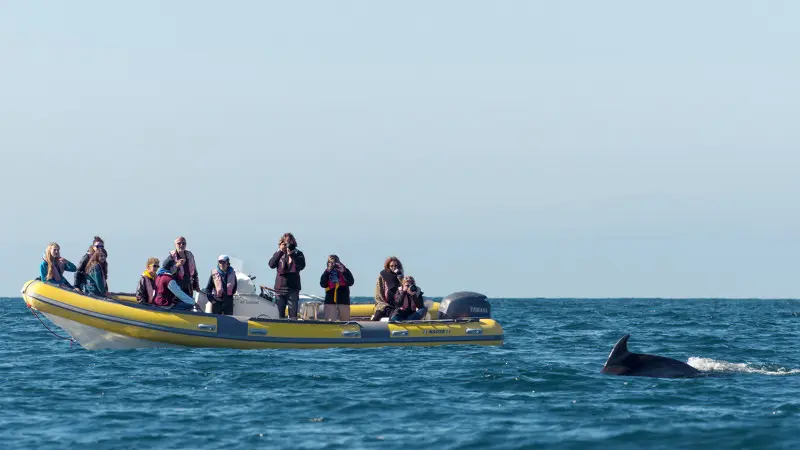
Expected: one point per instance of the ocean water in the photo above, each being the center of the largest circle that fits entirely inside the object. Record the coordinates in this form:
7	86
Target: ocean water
542	388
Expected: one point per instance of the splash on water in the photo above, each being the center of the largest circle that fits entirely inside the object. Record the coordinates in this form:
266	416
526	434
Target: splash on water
713	365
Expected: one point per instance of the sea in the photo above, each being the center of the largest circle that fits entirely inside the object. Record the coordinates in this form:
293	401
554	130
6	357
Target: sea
541	389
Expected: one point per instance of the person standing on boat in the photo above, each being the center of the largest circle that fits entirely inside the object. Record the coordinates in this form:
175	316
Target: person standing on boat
222	286
80	274
96	283
168	294
337	280
408	300
186	277
53	267
389	280
289	261
146	289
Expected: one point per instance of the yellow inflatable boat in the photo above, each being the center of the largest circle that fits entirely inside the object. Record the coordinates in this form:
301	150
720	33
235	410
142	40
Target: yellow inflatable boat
119	322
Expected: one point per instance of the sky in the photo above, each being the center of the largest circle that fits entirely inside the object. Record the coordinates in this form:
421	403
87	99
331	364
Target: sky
516	148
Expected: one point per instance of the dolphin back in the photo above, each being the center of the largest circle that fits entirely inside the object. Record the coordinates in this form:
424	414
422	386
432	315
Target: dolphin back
615	364
622	362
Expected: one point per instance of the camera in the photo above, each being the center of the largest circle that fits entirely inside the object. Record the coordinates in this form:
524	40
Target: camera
292	246
413	288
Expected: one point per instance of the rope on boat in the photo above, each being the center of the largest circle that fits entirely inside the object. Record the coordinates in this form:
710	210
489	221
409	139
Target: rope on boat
70	339
33	311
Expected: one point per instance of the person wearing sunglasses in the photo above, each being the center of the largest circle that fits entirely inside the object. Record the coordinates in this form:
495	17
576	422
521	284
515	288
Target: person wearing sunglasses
146	289
186	276
337	280
389	281
80	274
222	286
288	261
96	281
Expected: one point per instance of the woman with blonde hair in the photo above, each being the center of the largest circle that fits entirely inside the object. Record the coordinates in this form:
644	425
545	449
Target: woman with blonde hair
53	267
96	283
389	281
146	289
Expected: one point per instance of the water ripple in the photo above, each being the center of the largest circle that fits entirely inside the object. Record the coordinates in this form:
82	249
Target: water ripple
542	388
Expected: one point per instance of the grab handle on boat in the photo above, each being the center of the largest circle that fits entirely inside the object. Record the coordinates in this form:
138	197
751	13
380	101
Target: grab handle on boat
258	331
207	327
400	333
351	333
474	331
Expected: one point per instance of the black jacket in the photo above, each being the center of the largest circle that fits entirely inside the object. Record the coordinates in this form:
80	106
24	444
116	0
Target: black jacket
141	289
287	277
343	293
80	274
416	300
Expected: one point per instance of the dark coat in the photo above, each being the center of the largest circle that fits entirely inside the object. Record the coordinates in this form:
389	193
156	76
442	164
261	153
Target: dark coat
404	301
342	293
288	276
141	289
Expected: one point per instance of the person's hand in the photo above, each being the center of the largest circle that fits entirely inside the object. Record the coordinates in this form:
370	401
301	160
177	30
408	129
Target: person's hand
76	290
339	267
180	262
282	247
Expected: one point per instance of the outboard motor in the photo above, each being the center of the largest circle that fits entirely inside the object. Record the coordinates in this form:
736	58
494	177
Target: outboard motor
462	305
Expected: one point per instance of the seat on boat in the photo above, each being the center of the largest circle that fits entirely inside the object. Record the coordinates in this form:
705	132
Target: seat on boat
311	310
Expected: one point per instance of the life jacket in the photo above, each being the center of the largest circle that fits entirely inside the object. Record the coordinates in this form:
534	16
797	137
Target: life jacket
163	296
223	289
408	302
335	281
150	285
190	266
58	270
284	266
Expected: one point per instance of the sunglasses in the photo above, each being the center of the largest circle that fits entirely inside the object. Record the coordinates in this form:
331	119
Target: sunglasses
223	262
99	246
182	243
154	266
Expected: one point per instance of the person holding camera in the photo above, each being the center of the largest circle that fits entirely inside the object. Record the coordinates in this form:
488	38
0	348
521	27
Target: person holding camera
337	280
289	261
389	280
408	300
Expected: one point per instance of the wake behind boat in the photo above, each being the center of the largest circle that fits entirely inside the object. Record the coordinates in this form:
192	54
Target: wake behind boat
120	322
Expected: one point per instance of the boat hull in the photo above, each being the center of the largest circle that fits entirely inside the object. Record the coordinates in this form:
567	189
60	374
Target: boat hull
112	324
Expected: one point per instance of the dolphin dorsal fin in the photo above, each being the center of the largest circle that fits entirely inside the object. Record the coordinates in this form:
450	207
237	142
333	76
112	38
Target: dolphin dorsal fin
620	351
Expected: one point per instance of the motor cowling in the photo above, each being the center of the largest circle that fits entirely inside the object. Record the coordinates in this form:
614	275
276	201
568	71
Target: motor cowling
460	305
